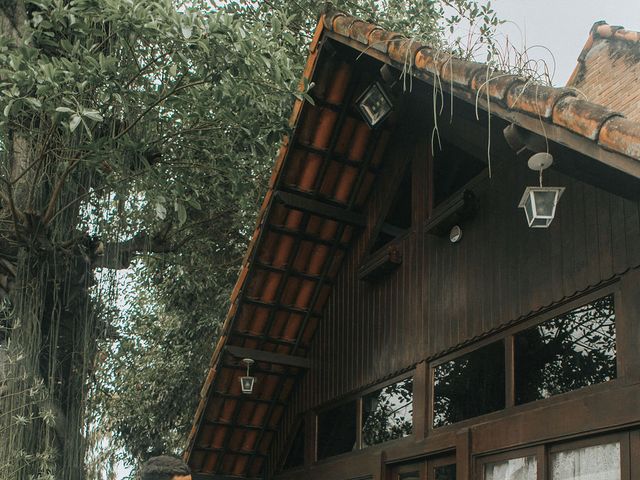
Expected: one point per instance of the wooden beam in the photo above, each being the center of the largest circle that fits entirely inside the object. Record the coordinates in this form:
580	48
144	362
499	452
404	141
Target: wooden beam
269	357
317	207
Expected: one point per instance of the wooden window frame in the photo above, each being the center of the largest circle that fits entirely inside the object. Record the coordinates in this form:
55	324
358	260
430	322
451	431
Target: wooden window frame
507	334
543	453
423	468
536	452
622	438
447	358
358	397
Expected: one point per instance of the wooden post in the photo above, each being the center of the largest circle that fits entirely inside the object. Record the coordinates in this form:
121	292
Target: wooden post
310	435
627	307
420	400
509	365
464	468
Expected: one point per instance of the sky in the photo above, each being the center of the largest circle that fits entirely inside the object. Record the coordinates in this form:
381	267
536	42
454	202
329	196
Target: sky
562	26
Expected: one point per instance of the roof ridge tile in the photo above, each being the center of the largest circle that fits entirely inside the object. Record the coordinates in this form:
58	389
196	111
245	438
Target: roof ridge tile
536	99
582	117
621	135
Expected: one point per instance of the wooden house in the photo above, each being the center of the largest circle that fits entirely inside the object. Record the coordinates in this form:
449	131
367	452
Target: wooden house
404	319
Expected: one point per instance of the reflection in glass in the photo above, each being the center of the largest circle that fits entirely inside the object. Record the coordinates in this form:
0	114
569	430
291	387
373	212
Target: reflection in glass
568	352
524	468
470	385
337	430
600	462
387	413
445	472
295	457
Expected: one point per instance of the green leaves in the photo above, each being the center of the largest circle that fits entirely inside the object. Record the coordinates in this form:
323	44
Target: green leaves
75	121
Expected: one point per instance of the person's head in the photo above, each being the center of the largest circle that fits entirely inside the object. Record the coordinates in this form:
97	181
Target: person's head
165	467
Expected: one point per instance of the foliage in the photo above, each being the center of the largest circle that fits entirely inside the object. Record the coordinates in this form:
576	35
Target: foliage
388	413
138	136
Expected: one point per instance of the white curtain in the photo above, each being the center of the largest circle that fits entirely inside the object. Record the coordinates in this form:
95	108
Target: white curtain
600	462
525	468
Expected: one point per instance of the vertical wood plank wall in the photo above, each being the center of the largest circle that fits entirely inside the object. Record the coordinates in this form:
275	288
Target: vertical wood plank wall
444	295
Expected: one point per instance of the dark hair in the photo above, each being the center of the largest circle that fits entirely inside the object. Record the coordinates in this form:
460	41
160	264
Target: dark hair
164	467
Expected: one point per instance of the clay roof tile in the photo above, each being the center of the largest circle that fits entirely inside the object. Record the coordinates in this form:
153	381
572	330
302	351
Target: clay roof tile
621	135
534	99
582	117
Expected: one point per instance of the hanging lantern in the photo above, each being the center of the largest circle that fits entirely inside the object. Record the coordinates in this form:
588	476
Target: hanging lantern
247	382
539	203
375	104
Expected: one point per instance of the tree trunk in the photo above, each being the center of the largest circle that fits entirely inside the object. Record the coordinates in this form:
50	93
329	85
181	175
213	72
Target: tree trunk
47	328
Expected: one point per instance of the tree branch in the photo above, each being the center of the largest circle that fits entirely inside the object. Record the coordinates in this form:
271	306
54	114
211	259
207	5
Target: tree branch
48	214
173	91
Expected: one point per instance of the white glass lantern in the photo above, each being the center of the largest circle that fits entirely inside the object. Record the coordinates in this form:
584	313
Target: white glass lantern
247	382
539	205
375	104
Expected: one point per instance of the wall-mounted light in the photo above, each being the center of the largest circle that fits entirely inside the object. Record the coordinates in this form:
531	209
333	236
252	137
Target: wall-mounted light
375	104
247	382
455	234
539	203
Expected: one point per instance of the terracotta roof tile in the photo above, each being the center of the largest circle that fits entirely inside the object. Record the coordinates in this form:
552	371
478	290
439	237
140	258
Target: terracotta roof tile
621	135
429	60
616	32
360	31
341	24
380	39
498	84
581	117
460	72
534	99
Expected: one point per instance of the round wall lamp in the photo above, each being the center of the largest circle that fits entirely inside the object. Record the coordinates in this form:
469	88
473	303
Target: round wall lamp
455	234
539	203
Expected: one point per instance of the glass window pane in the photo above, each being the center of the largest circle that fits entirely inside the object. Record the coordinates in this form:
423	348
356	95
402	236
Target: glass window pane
470	385
568	352
524	468
545	203
600	462
387	414
337	430
445	472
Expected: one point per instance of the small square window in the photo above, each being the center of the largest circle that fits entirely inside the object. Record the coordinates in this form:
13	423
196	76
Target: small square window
570	351
482	372
387	413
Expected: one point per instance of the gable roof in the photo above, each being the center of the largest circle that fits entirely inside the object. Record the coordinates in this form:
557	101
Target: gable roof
608	69
320	182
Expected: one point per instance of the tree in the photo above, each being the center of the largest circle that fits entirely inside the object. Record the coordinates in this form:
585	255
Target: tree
139	136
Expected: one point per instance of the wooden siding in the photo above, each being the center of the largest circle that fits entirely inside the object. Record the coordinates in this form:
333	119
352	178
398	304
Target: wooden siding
445	295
